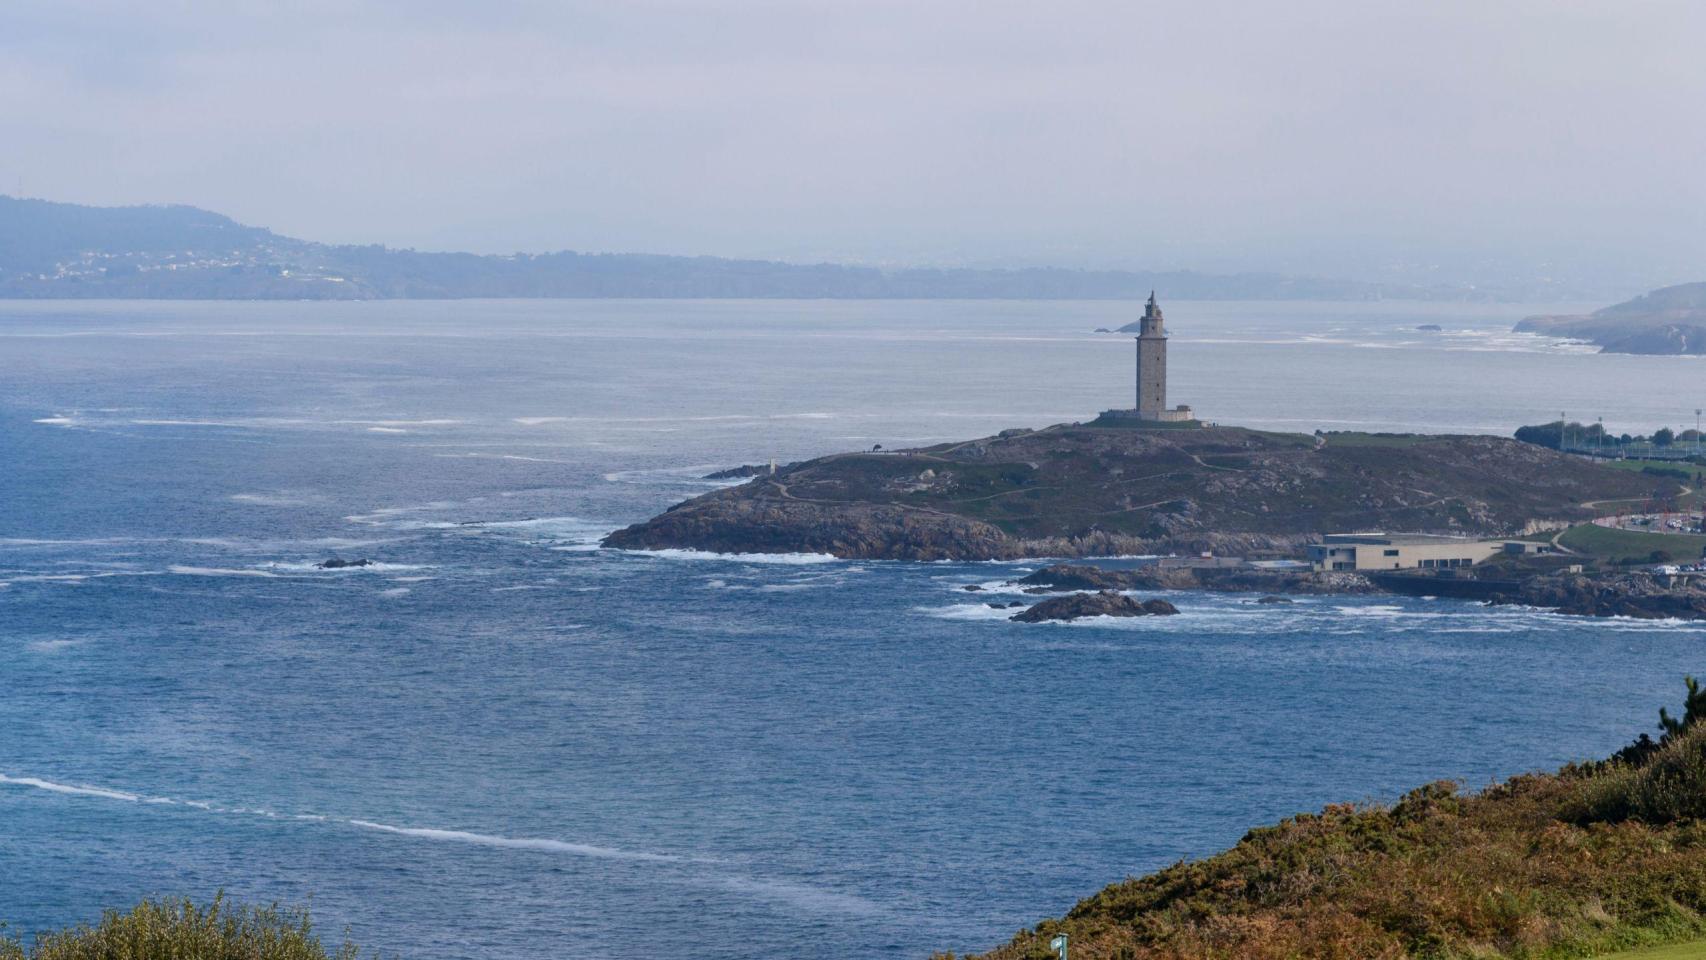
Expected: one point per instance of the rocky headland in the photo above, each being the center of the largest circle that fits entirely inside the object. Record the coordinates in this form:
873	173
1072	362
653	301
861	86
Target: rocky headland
1628	594
1108	489
1671	320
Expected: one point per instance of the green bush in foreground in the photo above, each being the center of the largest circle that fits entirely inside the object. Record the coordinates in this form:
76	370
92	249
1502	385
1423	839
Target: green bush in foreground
180	930
1585	861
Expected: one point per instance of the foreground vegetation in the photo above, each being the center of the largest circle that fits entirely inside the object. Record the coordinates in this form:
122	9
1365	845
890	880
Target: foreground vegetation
180	930
1583	862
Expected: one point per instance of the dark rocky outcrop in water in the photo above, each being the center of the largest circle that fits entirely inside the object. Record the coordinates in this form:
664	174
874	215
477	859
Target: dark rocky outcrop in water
1274	600
1430	327
1103	603
337	564
1640	595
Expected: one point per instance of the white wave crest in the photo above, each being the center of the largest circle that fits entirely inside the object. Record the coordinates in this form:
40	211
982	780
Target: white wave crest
968	611
187	571
71	789
514	843
314	566
424	833
777	558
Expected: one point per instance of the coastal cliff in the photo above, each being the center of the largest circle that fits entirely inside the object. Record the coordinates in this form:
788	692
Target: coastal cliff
1668	321
1087	490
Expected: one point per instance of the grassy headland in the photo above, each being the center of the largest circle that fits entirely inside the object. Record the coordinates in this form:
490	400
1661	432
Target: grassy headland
1583	862
1081	490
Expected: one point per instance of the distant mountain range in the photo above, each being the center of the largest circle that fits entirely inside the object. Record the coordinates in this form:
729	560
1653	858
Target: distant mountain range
1670	320
60	250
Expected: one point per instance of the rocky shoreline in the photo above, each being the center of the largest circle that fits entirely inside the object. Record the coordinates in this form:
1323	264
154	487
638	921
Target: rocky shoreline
1637	594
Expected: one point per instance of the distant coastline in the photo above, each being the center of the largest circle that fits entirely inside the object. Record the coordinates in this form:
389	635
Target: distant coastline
62	251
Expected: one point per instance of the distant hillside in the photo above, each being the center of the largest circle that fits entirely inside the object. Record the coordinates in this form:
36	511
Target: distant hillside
61	250
1671	320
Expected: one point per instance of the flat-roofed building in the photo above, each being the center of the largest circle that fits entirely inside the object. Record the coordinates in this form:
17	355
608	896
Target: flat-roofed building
1399	551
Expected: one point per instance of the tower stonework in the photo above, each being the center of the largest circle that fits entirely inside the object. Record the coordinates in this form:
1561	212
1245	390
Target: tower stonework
1151	374
1151	363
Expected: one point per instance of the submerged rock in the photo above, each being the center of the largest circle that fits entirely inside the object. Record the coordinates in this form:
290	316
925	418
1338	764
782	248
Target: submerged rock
1103	603
972	588
337	564
1275	600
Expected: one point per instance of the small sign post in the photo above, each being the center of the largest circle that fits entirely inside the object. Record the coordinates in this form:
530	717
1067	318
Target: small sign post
1058	944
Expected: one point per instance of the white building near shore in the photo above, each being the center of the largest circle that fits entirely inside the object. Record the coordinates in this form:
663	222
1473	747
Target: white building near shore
1409	551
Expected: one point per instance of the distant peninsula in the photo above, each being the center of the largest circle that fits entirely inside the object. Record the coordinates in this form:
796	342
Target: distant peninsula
66	251
1667	321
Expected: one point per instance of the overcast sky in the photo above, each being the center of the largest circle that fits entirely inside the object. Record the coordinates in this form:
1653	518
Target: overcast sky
1309	136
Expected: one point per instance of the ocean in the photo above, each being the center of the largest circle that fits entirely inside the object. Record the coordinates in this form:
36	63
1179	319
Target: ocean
500	741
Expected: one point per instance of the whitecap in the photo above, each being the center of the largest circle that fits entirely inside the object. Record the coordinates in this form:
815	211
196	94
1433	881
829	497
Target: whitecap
425	833
216	572
801	895
776	558
71	789
514	843
269	499
53	646
966	611
314	566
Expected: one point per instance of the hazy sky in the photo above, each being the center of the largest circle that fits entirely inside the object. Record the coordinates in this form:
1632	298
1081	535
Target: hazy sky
1308	136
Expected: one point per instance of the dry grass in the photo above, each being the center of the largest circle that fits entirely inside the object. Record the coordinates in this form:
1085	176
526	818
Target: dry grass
1576	863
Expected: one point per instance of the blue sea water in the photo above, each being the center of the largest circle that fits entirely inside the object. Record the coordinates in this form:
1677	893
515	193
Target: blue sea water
501	741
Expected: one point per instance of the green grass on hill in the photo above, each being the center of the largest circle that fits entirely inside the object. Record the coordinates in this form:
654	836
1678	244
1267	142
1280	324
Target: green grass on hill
180	930
1675	951
1584	862
1628	546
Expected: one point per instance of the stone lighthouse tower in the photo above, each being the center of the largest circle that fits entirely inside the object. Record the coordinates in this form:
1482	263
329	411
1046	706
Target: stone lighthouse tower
1151	374
1151	363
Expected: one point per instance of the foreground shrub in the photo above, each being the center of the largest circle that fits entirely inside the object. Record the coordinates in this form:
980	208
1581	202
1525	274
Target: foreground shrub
1590	859
180	930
